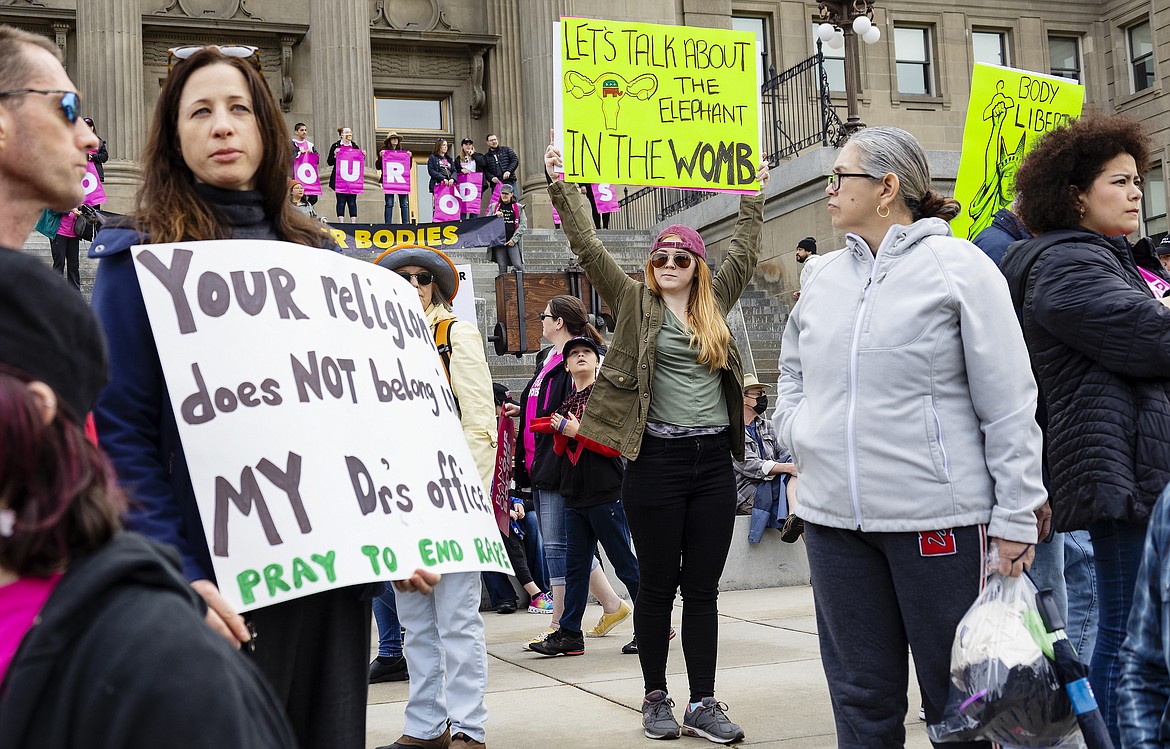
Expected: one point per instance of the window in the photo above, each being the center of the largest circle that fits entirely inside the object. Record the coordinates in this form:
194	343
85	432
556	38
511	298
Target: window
1154	203
410	114
990	47
834	63
1064	57
1141	55
912	55
759	27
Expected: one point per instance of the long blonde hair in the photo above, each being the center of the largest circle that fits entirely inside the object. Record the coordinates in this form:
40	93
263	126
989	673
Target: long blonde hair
709	331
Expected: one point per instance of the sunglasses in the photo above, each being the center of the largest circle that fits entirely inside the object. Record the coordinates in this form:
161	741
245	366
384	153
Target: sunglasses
424	277
682	260
70	102
543	316
244	51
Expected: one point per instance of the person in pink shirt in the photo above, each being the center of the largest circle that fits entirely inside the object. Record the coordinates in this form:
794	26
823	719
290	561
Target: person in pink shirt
102	640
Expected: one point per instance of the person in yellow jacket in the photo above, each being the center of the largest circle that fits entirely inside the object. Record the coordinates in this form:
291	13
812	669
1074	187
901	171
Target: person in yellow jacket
444	644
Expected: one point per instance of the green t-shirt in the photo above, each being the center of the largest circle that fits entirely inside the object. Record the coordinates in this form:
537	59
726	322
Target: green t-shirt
684	392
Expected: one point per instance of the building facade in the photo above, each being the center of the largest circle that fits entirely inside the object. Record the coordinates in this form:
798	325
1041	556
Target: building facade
450	69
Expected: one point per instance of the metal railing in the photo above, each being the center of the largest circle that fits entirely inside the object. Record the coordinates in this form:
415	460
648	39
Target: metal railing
796	106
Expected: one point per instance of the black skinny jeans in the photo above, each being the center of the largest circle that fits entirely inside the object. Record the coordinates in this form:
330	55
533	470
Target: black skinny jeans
680	501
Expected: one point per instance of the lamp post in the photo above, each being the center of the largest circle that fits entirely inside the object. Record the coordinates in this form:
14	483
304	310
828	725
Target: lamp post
843	22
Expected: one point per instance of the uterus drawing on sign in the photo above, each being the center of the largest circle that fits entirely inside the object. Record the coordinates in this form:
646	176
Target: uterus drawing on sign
610	88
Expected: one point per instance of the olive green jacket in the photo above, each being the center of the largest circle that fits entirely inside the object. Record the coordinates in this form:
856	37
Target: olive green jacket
616	414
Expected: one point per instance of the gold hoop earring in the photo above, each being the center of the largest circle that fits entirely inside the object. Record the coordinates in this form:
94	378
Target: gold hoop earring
883	215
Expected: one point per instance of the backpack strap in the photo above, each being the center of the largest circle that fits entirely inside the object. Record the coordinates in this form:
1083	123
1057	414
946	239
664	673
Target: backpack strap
443	346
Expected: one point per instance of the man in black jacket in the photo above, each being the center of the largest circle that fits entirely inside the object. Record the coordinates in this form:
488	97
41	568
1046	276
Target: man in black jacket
501	164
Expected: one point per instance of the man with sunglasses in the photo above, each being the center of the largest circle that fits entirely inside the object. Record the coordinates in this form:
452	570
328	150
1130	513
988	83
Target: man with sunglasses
39	114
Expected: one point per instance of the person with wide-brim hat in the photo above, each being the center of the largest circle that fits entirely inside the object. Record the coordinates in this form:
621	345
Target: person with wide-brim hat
451	614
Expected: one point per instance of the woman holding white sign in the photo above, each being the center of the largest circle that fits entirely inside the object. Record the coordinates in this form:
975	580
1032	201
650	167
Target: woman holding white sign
444	642
670	398
217	162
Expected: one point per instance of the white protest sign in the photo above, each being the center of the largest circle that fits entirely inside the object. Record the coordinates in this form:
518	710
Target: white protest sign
463	305
318	425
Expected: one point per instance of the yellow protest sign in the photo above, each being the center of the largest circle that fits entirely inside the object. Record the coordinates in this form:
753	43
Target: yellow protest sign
648	104
1008	111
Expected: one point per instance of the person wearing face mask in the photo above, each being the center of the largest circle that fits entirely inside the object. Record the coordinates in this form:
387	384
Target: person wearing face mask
765	479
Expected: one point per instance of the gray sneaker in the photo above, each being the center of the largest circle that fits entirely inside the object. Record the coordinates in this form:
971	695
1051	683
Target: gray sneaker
710	722
657	716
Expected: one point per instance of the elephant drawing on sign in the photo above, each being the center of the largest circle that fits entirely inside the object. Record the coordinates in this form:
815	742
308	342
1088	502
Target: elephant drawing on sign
610	88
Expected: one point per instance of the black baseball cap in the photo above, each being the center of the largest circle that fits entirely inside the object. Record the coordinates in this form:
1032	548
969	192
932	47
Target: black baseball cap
466	141
581	341
503	395
49	333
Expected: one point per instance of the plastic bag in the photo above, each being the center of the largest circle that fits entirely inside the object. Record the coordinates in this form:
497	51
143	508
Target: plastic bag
1004	687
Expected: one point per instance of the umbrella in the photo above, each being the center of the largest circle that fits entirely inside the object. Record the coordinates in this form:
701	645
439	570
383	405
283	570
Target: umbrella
1074	675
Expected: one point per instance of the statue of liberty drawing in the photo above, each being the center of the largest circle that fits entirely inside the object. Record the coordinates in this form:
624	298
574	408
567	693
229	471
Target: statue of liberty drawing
1000	165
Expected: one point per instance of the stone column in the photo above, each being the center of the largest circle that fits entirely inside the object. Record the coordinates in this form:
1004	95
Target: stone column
536	70
110	76
505	95
343	83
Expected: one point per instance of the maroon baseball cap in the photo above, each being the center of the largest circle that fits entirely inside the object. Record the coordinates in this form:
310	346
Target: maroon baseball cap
688	239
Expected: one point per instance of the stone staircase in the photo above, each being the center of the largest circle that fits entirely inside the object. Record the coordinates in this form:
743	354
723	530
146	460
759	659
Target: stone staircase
757	324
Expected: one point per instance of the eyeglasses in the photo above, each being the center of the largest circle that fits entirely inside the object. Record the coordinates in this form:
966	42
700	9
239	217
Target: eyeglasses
424	277
682	260
835	179
243	51
545	316
70	102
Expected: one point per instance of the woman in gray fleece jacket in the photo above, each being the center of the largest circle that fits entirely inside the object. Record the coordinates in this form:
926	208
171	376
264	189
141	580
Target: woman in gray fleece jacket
908	402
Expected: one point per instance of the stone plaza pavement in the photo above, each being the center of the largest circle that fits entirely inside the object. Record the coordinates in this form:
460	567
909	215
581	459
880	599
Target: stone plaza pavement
769	675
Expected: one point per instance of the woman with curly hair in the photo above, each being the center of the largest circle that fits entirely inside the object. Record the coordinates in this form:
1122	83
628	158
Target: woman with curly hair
906	399
1100	345
670	399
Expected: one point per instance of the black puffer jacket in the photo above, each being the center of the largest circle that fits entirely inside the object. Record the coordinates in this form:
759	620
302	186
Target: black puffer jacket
1100	346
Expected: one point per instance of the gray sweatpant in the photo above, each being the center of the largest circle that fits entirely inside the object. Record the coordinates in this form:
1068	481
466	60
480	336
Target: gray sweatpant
876	594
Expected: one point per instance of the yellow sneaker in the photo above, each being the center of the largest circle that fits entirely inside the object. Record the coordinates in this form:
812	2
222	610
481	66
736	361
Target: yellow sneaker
608	621
539	638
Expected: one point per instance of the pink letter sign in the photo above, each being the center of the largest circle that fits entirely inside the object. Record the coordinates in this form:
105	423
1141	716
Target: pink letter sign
470	190
95	194
447	205
350	167
396	172
605	197
494	201
305	172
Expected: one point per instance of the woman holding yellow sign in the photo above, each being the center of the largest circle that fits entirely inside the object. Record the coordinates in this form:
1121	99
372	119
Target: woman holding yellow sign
669	397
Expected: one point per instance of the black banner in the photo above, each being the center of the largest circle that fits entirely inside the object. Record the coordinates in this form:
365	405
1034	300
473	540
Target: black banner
472	232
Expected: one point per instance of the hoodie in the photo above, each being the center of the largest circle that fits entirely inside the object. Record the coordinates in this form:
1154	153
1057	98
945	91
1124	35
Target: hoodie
120	656
905	394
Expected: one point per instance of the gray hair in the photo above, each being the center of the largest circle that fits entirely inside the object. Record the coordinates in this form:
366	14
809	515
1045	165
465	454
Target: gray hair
16	67
892	150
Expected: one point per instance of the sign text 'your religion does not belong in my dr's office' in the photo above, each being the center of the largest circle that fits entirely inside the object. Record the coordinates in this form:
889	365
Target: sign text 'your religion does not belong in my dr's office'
318	425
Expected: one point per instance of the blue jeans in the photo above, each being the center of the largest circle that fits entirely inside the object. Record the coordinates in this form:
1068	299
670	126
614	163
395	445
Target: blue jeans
1080	578
550	509
448	658
585	527
403	205
389	629
344	200
1117	547
770	508
1047	571
534	550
